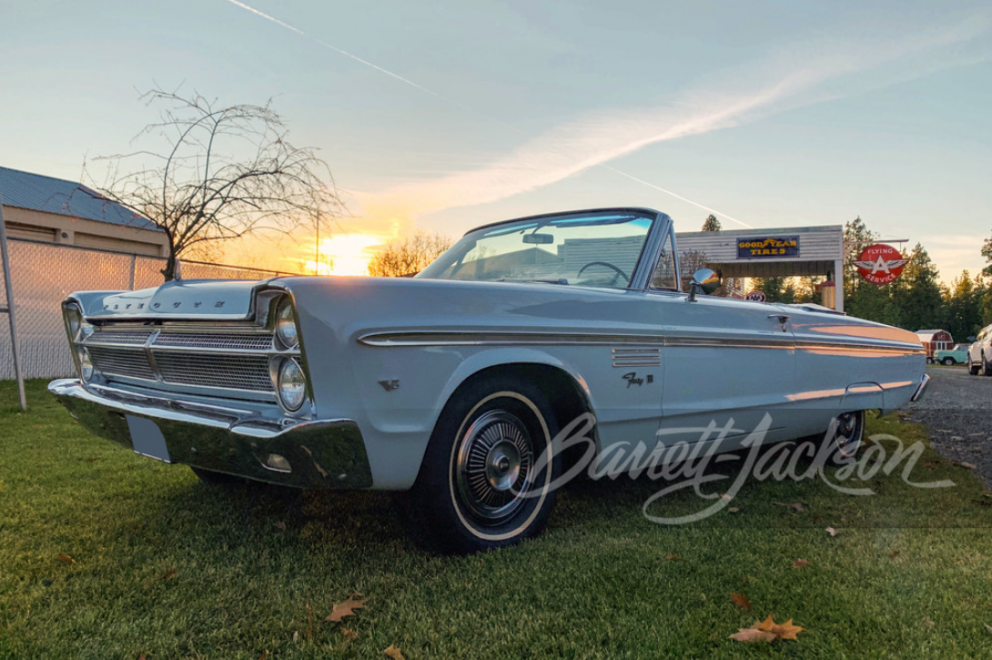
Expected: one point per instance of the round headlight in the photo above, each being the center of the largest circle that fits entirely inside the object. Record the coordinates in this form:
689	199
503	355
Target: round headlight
85	364
292	385
286	326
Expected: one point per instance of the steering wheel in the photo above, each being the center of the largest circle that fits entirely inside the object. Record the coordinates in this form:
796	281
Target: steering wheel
602	263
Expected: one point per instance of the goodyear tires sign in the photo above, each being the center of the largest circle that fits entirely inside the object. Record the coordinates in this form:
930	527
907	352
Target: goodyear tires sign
773	246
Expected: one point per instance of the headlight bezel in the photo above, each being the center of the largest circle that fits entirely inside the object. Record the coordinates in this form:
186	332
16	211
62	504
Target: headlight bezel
283	368
285	317
77	329
85	362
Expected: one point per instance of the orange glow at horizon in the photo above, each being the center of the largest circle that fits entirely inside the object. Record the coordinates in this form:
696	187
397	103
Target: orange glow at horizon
345	254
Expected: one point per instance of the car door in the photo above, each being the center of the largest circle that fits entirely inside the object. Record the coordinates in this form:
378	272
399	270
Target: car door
726	362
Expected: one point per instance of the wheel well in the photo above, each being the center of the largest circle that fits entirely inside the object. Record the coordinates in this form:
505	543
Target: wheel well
564	394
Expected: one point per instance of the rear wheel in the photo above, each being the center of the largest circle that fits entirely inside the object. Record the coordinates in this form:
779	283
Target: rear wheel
848	433
986	365
971	366
482	483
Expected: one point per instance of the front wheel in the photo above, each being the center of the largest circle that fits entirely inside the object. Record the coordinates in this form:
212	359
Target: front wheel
986	365
947	361
485	479
971	366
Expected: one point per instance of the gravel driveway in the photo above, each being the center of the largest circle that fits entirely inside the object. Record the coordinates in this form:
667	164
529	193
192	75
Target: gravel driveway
958	410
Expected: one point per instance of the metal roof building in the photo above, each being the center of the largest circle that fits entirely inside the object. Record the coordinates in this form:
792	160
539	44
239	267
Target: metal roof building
59	211
778	252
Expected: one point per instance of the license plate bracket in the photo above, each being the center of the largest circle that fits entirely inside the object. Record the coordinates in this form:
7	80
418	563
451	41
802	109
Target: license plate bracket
147	438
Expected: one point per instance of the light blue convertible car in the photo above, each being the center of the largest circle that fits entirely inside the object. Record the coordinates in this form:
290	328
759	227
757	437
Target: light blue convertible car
451	386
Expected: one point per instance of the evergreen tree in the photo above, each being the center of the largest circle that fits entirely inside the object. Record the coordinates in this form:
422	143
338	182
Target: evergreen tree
918	294
964	308
711	223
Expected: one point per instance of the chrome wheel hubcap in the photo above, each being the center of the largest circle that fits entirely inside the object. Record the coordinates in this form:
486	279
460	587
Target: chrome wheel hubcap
493	467
848	434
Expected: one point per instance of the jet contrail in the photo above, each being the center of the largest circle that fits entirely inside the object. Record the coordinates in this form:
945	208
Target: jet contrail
339	50
456	103
669	192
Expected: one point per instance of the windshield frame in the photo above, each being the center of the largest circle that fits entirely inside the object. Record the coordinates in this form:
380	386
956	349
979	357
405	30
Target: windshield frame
658	231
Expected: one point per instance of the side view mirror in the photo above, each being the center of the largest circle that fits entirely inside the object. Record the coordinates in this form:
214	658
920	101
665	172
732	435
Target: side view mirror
704	281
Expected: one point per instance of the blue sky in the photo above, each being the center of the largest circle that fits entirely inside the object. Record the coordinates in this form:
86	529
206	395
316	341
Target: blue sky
774	113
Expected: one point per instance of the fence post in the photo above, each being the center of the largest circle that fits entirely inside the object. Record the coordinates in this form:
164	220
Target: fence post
9	309
130	283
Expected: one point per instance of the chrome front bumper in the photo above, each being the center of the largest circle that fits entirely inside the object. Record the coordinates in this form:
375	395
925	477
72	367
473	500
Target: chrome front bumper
326	454
921	390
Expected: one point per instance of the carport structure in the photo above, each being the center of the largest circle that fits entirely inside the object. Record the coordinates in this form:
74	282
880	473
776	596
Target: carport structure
777	252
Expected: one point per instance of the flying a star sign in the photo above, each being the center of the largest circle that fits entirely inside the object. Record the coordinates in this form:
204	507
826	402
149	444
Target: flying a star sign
880	264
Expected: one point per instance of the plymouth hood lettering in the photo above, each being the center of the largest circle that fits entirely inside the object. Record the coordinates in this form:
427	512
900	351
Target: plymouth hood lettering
197	299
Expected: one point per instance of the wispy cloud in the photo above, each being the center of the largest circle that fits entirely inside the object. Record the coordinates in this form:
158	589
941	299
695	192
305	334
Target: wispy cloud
788	79
825	68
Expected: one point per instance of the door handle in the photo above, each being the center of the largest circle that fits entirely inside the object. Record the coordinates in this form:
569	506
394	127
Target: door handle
782	318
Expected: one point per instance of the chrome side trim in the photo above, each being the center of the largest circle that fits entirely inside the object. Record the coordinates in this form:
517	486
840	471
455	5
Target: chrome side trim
489	338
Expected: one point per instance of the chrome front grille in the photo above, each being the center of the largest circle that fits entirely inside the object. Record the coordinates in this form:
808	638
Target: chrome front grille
121	362
234	341
135	338
210	360
239	372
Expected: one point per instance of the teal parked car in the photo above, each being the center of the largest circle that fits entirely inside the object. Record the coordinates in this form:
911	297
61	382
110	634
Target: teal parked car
957	355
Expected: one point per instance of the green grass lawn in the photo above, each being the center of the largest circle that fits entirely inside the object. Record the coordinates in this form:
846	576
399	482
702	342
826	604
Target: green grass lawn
248	568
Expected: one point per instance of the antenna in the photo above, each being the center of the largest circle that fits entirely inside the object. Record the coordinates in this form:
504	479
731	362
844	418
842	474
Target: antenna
8	309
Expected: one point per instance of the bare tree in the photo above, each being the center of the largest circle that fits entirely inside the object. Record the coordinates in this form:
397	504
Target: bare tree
219	172
408	256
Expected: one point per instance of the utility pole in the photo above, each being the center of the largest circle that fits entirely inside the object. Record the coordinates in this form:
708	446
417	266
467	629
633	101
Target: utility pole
9	310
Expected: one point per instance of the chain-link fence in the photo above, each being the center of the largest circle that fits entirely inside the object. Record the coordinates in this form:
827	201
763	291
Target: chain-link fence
43	274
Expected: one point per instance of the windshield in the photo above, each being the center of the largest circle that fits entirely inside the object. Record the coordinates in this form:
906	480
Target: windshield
587	249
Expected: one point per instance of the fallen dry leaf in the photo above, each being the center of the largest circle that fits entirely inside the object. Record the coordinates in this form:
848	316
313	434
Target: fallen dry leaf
733	509
347	608
168	574
263	655
750	635
989	628
673	557
832	532
349	634
781	630
967	466
816	519
726	497
394	652
800	563
65	558
927	623
797	506
90	460
280	525
893	554
740	600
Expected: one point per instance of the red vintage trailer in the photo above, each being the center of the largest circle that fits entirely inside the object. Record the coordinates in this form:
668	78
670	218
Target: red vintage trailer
935	340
